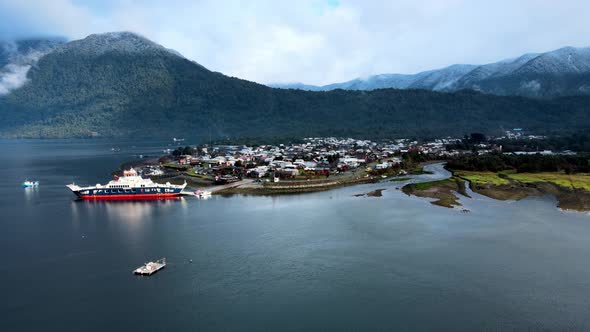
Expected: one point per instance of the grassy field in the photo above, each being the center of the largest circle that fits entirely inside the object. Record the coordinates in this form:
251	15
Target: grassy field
482	178
191	172
573	181
443	191
509	185
176	166
426	185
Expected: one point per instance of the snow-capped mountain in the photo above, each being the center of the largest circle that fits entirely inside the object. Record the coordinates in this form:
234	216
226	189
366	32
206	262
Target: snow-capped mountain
441	80
432	80
567	60
562	72
123	42
494	69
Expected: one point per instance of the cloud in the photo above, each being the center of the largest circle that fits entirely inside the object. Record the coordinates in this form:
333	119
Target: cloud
317	41
14	73
13	77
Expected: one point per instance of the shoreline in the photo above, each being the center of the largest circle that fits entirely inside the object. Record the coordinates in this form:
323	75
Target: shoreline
180	174
502	187
287	187
294	188
571	200
445	192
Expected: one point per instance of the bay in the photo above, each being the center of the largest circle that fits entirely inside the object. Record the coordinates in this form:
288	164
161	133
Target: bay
318	261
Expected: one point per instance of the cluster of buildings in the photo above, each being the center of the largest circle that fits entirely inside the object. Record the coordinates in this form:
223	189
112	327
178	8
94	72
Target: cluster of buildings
519	133
313	157
322	156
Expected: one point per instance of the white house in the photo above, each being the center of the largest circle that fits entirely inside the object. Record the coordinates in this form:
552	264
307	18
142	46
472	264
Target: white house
382	166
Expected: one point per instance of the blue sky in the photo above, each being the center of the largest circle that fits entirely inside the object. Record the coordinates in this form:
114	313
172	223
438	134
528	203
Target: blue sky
317	41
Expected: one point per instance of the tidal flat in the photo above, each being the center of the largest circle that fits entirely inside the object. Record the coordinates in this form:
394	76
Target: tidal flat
572	191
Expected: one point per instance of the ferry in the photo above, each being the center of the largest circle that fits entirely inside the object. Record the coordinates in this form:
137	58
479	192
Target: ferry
129	186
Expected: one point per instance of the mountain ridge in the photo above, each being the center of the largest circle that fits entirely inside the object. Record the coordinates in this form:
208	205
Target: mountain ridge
91	88
535	73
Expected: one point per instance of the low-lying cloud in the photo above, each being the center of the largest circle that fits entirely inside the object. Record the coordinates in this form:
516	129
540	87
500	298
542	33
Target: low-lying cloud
13	77
13	74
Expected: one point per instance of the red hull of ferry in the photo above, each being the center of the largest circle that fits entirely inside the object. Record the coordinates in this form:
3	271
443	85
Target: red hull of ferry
131	197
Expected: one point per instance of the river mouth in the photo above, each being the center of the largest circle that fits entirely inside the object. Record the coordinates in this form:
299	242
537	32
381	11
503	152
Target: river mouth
450	191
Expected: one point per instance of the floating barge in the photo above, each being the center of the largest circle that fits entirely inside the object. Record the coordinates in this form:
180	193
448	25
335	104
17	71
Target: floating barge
151	267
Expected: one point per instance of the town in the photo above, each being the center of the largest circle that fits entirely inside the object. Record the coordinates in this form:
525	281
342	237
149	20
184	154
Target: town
321	163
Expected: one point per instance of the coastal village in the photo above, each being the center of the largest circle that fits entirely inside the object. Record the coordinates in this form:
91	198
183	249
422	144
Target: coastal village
312	164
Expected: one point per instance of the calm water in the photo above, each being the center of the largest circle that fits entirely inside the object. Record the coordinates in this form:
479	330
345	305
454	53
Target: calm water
321	261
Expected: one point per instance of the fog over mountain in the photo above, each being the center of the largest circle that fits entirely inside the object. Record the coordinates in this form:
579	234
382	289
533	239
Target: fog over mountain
17	57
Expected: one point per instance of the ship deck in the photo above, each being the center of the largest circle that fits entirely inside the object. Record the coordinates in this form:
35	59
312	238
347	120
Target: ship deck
150	268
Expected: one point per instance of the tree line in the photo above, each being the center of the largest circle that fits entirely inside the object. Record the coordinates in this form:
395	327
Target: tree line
522	163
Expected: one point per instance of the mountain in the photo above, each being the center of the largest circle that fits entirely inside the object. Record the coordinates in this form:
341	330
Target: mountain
124	85
563	72
17	57
501	68
432	80
441	80
298	86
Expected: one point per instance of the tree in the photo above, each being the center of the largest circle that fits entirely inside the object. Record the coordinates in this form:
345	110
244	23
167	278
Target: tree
177	152
188	150
477	137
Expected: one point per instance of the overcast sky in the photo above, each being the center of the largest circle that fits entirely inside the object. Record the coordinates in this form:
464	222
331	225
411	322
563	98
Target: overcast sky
317	41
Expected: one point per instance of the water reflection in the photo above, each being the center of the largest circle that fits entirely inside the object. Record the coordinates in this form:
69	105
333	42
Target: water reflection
31	193
132	211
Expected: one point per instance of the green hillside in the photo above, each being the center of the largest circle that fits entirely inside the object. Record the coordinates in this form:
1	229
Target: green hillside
113	89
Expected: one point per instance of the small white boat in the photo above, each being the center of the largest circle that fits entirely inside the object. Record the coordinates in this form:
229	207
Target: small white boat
202	194
30	184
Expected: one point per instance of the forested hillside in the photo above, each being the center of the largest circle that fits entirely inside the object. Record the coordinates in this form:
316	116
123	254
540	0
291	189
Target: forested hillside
124	85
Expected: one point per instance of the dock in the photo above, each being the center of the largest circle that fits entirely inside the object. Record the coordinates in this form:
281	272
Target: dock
213	189
151	267
230	185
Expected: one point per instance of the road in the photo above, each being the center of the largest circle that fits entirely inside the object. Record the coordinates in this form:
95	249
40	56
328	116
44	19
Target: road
229	185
